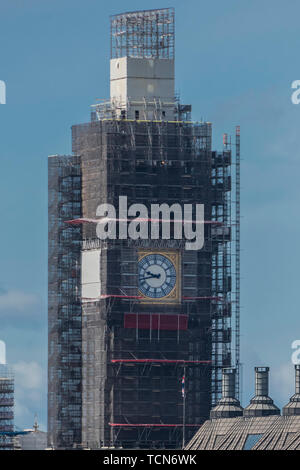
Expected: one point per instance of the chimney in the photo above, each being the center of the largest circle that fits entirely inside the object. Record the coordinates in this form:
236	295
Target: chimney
228	406
261	404
293	407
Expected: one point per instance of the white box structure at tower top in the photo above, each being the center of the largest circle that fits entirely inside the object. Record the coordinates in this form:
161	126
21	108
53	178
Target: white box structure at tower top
142	65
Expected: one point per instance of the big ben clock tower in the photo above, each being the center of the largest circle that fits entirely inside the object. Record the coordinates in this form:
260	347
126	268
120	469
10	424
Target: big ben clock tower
152	311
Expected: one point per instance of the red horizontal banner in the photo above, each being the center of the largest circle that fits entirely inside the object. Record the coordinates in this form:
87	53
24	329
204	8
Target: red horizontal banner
155	321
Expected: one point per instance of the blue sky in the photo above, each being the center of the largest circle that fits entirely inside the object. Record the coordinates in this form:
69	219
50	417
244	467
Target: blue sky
235	62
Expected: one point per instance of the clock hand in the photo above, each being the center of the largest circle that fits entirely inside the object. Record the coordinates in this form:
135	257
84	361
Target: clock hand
156	276
153	275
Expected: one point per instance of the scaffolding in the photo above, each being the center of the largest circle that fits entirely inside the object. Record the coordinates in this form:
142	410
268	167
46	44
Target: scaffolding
221	266
112	358
6	408
64	306
126	365
143	34
237	260
116	360
156	107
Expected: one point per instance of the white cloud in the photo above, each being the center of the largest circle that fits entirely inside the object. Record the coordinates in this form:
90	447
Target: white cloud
30	382
17	300
21	412
28	375
283	381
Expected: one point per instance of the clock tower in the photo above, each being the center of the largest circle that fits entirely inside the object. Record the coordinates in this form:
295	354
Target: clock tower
154	314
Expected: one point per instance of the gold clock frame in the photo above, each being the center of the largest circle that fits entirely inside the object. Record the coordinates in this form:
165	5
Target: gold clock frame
175	295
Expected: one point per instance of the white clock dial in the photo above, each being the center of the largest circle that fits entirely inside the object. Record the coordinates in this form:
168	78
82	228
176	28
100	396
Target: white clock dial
157	275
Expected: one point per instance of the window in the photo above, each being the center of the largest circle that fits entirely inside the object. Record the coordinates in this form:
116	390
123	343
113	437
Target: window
251	440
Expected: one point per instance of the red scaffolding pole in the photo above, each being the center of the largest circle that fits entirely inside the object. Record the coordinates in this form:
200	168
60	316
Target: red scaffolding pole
119	296
127	425
107	296
164	361
86	220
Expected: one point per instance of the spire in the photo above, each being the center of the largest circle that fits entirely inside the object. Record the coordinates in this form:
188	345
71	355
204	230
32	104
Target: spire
35	426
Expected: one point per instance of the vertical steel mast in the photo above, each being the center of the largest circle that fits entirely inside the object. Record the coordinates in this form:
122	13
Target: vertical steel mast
237	256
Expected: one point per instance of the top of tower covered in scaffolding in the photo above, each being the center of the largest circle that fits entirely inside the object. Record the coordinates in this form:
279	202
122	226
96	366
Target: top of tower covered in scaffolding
143	34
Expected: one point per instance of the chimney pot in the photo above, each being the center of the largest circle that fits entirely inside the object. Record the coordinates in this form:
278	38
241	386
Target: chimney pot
261	404
228	406
293	407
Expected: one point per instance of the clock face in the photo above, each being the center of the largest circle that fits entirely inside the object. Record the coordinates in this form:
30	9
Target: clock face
157	275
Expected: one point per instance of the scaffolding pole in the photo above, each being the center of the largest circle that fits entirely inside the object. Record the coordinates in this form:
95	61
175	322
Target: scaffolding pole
183	404
237	257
